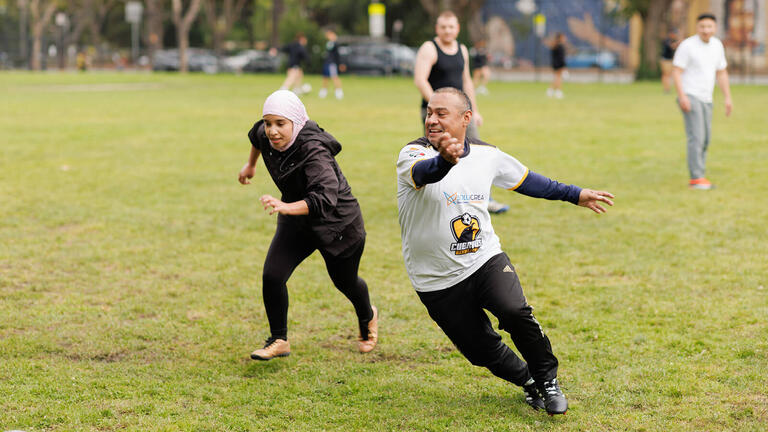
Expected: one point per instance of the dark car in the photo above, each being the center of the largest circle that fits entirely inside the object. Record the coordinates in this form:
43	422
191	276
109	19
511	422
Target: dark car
198	60
377	58
262	61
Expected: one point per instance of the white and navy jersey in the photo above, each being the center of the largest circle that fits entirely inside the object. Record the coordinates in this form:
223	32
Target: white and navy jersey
445	226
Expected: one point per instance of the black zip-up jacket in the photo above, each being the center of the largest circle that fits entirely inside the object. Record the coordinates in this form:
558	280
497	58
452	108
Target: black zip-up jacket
308	171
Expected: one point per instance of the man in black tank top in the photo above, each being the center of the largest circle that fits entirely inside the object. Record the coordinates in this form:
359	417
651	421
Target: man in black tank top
444	62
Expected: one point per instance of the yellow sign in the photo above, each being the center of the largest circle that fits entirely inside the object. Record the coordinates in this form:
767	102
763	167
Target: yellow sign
539	19
376	9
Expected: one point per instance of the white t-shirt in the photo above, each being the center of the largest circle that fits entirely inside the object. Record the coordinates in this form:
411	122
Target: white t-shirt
699	62
445	226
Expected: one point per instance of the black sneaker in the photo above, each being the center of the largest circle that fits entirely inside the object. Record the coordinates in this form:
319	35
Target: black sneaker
532	396
554	399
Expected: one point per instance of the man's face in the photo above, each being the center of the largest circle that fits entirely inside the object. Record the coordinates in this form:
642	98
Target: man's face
706	28
447	29
445	113
279	130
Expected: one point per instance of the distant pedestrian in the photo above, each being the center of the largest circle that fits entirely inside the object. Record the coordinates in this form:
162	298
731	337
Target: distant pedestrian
668	47
316	211
81	60
700	61
332	65
482	72
297	55
557	52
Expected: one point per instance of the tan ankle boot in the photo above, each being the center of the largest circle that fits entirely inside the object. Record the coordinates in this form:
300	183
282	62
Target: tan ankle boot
272	348
368	345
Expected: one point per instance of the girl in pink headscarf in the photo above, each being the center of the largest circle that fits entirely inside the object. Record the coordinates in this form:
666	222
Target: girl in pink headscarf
316	211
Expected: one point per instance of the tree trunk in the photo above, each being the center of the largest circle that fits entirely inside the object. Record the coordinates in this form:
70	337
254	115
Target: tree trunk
183	23
652	23
79	21
23	38
277	13
247	17
153	35
39	22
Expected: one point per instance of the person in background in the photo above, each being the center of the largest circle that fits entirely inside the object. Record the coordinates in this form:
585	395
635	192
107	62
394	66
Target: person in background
699	62
331	66
557	52
668	47
297	55
482	72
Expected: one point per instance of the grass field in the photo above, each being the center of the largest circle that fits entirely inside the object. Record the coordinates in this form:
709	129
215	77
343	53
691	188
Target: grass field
130	264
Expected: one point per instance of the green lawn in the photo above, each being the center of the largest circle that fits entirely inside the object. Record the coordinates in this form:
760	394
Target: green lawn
130	264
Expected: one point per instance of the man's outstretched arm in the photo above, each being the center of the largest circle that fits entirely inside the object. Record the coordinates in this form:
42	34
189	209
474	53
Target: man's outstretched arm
538	186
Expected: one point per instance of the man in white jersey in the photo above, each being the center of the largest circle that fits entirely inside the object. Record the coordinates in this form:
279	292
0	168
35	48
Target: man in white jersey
698	62
454	258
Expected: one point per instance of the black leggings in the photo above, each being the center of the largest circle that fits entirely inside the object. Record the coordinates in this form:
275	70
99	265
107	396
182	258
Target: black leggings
459	311
288	249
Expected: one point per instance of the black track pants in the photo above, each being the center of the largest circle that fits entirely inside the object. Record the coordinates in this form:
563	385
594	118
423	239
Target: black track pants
288	249
460	313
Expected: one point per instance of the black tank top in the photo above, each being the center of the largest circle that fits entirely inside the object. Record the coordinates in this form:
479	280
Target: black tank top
447	71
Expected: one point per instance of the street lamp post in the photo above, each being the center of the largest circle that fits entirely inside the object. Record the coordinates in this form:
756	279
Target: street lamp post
62	22
133	10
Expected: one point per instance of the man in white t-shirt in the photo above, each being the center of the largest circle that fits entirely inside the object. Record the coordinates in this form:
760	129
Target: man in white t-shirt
454	258
698	62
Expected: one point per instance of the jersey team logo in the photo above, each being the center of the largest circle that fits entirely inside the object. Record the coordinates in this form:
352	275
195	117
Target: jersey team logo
465	229
415	152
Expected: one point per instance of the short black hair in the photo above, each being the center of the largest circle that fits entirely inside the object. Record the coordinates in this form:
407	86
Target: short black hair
706	16
466	104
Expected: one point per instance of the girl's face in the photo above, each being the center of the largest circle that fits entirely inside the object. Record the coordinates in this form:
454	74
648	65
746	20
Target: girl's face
279	130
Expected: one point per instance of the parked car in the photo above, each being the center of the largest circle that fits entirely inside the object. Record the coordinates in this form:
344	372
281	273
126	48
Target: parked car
251	61
592	58
377	58
198	60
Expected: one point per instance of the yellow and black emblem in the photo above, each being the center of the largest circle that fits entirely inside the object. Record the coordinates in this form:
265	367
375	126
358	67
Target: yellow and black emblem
465	228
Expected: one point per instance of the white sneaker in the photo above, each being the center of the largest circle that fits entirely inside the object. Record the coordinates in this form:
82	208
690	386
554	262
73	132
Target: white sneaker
559	94
306	88
339	94
323	93
496	207
483	90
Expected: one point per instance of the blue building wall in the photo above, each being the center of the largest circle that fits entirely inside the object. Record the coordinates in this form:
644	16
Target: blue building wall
530	48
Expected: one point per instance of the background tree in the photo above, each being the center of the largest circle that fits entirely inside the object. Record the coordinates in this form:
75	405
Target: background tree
653	14
183	22
99	11
41	12
79	17
221	15
277	14
155	15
